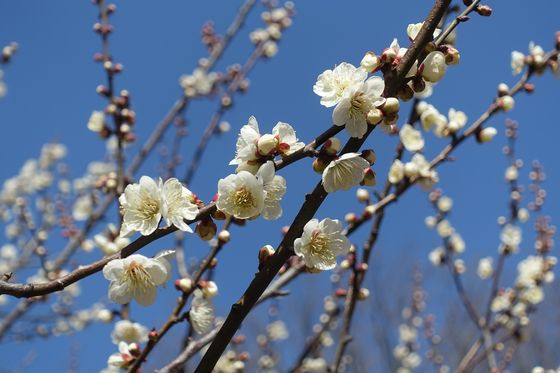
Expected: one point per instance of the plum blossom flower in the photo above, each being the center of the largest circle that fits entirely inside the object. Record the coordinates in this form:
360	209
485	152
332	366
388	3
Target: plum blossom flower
485	269
177	204
201	314
241	195
413	29
352	109
287	141
331	85
517	62
246	146
411	138
129	332
122	359
274	189
457	120
136	277
320	244
511	236
396	172
141	207
96	121
344	172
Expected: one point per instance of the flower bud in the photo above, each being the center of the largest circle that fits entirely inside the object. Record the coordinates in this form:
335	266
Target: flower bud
209	289
374	116
319	165
506	103
362	195
206	229
363	294
405	93
184	284
484	10
249	166
264	253
389	55
340	293
267	144
503	89
224	236
369	178
418	84
410	169
486	134
96	121
370	62
369	155
332	146
391	105
529	87
104	315
350	218
434	67
452	56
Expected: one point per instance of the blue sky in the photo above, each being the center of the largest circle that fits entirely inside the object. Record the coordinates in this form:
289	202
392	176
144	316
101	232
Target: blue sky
51	93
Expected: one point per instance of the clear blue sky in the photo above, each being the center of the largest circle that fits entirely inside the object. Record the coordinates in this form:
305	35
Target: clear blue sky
51	93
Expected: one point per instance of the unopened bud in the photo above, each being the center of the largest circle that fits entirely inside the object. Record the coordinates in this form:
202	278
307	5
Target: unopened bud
341	293
363	294
267	144
224	236
374	116
452	56
332	146
264	253
370	62
153	335
319	165
184	284
506	103
503	89
391	105
350	218
529	87
388	55
405	93
484	10
209	289
369	178
369	155
362	195
486	134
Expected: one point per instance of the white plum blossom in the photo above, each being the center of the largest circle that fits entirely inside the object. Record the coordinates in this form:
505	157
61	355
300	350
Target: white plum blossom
352	109
511	236
241	195
320	244
434	66
246	146
287	141
199	83
201	314
277	330
274	189
141	207
420	167
177	204
110	242
129	332
332	85
123	358
344	172
485	269
487	134
96	121
411	138
456	243
370	62
532	270
413	29
457	120
517	62
396	172
136	277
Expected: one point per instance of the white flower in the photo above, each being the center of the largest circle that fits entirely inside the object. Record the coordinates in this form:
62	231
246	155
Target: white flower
120	360
506	103
517	62
129	332
108	243
370	62
287	141
201	314
530	270
96	121
200	83
485	269
457	120
241	195
532	294
246	146
434	66
411	138
537	52
320	243
274	189
354	105
177	204
83	207
331	85
135	277
344	172
444	204
511	236
456	243
141	207
413	29
511	173
396	172
277	330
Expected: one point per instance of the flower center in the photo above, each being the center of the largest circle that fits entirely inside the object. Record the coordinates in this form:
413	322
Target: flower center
319	244
243	198
358	102
137	276
150	207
